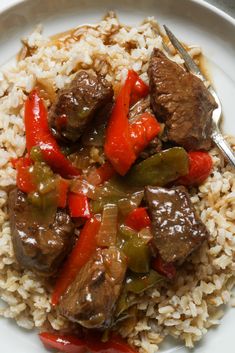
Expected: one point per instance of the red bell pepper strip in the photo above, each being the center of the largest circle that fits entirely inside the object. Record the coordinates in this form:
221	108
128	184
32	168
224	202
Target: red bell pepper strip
166	269
124	141
63	186
14	161
118	146
143	130
138	219
24	179
38	134
73	344
78	205
140	89
200	167
81	253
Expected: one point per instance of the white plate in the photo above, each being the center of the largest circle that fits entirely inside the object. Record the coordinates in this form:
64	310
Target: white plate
195	22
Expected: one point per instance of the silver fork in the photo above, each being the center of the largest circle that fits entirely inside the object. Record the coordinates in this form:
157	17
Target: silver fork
216	135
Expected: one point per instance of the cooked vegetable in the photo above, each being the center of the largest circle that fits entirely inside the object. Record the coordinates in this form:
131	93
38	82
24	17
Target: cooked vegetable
129	203
44	178
167	269
123	141
24	179
105	172
45	189
108	228
63	186
200	167
140	89
111	194
126	233
80	158
160	169
118	146
73	344
136	250
81	253
143	130
110	189
138	255
38	134
137	283
78	205
101	174
138	219
81	186
36	154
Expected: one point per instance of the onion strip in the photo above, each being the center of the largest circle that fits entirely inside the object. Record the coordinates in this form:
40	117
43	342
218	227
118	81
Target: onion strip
108	229
81	186
129	203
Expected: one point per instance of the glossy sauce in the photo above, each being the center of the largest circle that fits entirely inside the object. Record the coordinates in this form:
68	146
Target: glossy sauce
70	36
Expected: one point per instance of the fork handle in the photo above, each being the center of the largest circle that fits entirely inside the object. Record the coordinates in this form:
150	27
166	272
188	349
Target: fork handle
224	147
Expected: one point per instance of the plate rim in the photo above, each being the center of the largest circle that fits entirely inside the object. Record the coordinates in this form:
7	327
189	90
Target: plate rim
213	8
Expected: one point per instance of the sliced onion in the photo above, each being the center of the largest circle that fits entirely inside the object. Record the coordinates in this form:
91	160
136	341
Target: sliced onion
127	233
128	204
145	234
108	229
81	186
93	177
107	190
46	89
81	159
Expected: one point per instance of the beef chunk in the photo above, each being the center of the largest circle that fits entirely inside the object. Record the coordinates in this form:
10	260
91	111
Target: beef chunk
181	100
77	105
176	228
38	246
91	298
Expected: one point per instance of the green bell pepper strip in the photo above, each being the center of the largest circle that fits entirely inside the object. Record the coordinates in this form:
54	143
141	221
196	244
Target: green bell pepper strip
138	255
137	283
135	248
159	169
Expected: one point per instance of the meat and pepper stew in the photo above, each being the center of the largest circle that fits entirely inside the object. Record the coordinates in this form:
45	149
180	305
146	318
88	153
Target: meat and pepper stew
101	204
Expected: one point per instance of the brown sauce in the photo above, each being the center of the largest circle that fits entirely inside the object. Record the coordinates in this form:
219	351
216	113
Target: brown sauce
204	67
70	36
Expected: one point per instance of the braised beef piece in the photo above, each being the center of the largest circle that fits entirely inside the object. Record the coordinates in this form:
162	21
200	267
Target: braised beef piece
91	298
38	246
77	105
181	100
97	128
177	230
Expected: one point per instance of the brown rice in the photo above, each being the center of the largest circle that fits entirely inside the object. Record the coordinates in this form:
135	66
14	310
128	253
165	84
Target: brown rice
190	305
